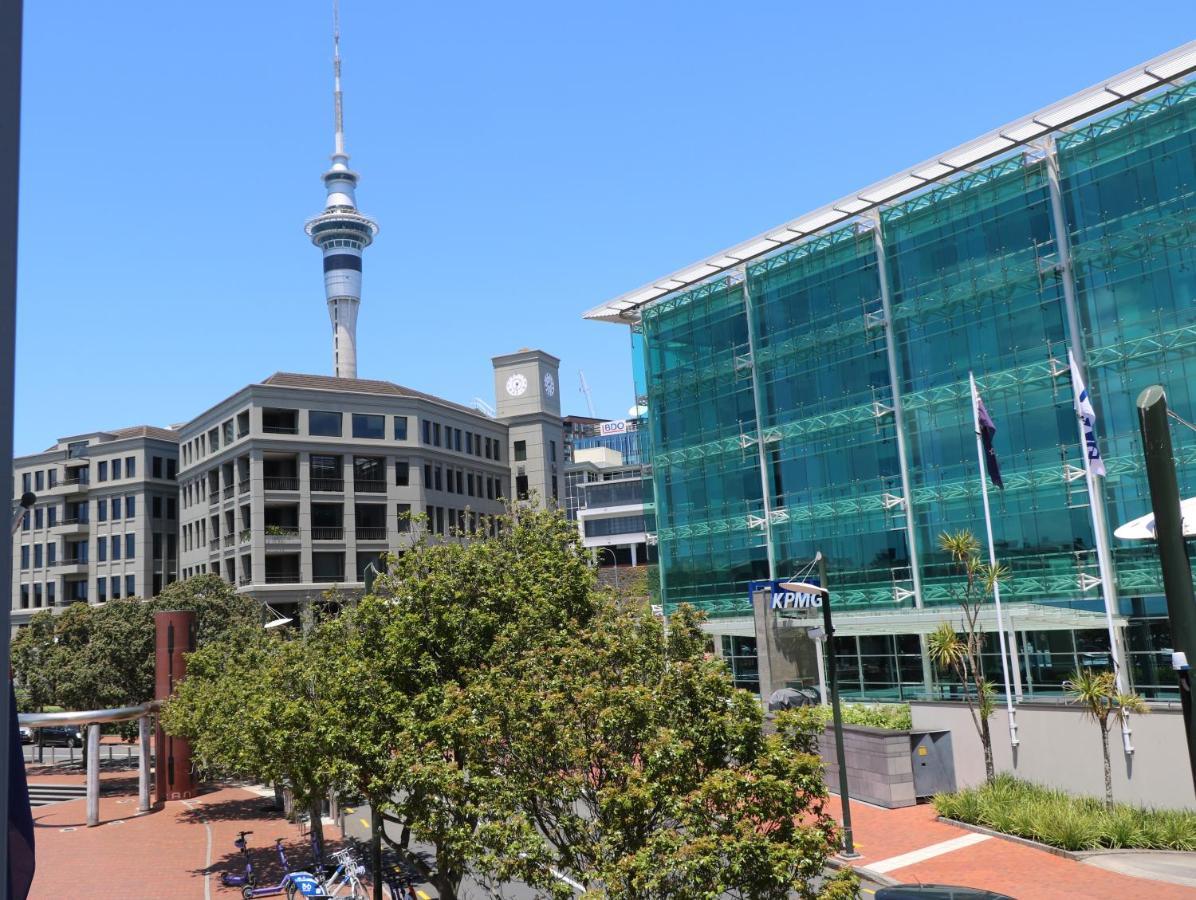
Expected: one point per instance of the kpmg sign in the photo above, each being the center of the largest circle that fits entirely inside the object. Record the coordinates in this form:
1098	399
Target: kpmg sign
783	599
619	427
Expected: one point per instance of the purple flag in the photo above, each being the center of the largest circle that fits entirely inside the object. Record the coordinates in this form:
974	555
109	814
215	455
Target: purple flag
987	430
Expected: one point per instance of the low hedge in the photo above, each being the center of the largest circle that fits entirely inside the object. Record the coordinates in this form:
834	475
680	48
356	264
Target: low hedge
893	716
1053	817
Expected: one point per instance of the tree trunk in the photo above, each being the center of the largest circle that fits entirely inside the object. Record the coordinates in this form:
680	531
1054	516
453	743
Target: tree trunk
987	740
315	812
1104	746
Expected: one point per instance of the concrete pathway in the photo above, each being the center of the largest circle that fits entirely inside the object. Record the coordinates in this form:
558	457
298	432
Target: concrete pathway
911	846
1176	868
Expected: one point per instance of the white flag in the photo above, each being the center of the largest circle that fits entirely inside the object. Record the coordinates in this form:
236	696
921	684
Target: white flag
1088	416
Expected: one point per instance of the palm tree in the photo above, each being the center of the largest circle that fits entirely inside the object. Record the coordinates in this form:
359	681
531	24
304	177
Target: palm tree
1097	693
962	655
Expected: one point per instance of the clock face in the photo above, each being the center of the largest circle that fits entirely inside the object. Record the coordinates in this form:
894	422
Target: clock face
549	384
516	385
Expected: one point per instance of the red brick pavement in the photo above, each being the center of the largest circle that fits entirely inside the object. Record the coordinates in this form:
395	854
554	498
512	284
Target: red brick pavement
156	855
998	865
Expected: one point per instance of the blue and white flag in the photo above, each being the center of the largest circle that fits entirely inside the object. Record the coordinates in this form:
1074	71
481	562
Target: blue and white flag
1088	416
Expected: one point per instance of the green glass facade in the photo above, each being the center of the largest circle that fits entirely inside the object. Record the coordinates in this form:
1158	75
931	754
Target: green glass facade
791	352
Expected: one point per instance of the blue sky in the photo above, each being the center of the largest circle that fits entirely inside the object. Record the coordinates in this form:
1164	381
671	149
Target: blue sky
525	162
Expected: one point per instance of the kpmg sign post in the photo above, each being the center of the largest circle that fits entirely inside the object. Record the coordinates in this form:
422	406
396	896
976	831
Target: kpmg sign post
780	598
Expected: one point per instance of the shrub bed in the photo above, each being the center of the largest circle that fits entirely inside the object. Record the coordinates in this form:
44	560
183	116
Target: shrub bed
893	716
1053	817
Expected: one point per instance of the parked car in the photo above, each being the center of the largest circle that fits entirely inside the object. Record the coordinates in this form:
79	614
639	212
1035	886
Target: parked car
26	734
61	736
936	892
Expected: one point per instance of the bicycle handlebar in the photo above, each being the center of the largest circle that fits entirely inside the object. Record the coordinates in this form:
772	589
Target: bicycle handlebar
243	833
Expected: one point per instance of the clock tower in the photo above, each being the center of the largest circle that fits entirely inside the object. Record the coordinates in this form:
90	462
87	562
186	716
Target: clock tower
529	403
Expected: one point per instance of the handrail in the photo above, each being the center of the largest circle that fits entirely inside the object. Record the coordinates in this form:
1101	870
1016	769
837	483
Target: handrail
89	716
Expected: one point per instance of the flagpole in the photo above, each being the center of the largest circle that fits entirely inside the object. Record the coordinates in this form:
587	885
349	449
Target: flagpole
1100	531
992	562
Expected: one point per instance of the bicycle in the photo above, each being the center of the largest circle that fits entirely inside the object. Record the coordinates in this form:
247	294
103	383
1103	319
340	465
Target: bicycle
349	871
292	883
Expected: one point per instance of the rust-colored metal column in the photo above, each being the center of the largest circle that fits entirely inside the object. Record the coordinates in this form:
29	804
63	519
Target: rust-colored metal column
174	636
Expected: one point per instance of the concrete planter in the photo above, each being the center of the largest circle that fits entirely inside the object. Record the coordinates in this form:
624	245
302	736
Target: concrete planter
879	768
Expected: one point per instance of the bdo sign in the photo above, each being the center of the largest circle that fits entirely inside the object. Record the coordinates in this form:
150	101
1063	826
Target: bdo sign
619	427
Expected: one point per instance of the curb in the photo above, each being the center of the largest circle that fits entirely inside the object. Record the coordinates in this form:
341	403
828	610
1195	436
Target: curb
837	863
1015	839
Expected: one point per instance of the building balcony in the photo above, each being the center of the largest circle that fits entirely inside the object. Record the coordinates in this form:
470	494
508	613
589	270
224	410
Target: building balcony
228	492
369	487
243	486
70	526
282	578
328	534
228	540
282	537
246	535
214	498
244	579
370	533
334	578
328	485
73	485
69	566
280	483
214	544
280	429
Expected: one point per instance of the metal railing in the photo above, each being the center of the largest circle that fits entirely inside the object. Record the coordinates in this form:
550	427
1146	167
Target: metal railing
328	534
246	535
329	485
370	533
280	483
369	486
282	578
329	579
243	580
243	486
280	429
213	498
74	520
282	533
228	492
214	544
228	540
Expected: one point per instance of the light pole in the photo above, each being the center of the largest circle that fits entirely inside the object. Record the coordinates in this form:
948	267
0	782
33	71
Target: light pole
614	559
821	591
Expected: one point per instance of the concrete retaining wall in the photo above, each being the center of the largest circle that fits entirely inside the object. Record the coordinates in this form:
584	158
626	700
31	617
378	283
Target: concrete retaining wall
1061	748
879	769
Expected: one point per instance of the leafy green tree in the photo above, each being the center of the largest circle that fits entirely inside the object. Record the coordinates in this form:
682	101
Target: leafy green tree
396	670
635	767
34	660
1097	693
250	708
962	655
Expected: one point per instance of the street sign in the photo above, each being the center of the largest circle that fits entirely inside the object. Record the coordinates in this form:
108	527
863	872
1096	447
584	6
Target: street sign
789	595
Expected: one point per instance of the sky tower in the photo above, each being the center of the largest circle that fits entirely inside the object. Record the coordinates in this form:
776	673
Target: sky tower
341	232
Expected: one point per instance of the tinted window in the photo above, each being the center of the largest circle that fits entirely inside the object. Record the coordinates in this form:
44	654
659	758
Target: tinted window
369	426
325	424
400	428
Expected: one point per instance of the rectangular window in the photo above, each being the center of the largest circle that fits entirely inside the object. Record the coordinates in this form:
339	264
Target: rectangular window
130	546
37	556
436	433
469	442
39	480
115	469
115	587
157	467
520	451
102	471
456	439
102	510
400	428
115	502
26	482
497	450
157	545
449	485
440	520
489	488
25	522
402	473
324	424
552	451
37	595
425	427
37	517
130	586
53	477
460	482
102	589
171	546
24	556
439	485
404	511
115	547
131	466
156	507
427	476
469	484
130	507
521	491
372	427
24	596
487	448
50	594
52	516
102	549
172	469
51	554
172	508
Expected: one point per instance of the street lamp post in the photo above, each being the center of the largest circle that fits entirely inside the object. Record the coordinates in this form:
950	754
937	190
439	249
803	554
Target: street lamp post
614	559
832	682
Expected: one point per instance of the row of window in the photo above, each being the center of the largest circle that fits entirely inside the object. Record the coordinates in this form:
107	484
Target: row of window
36	590
468	442
128	470
115	508
458	481
109	588
103	543
324	423
40	555
46	555
199	446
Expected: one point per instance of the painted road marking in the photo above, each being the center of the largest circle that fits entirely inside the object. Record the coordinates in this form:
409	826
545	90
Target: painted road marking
917	856
422	895
364	822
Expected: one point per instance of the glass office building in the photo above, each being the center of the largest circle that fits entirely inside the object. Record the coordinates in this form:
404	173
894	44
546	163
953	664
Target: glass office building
808	390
